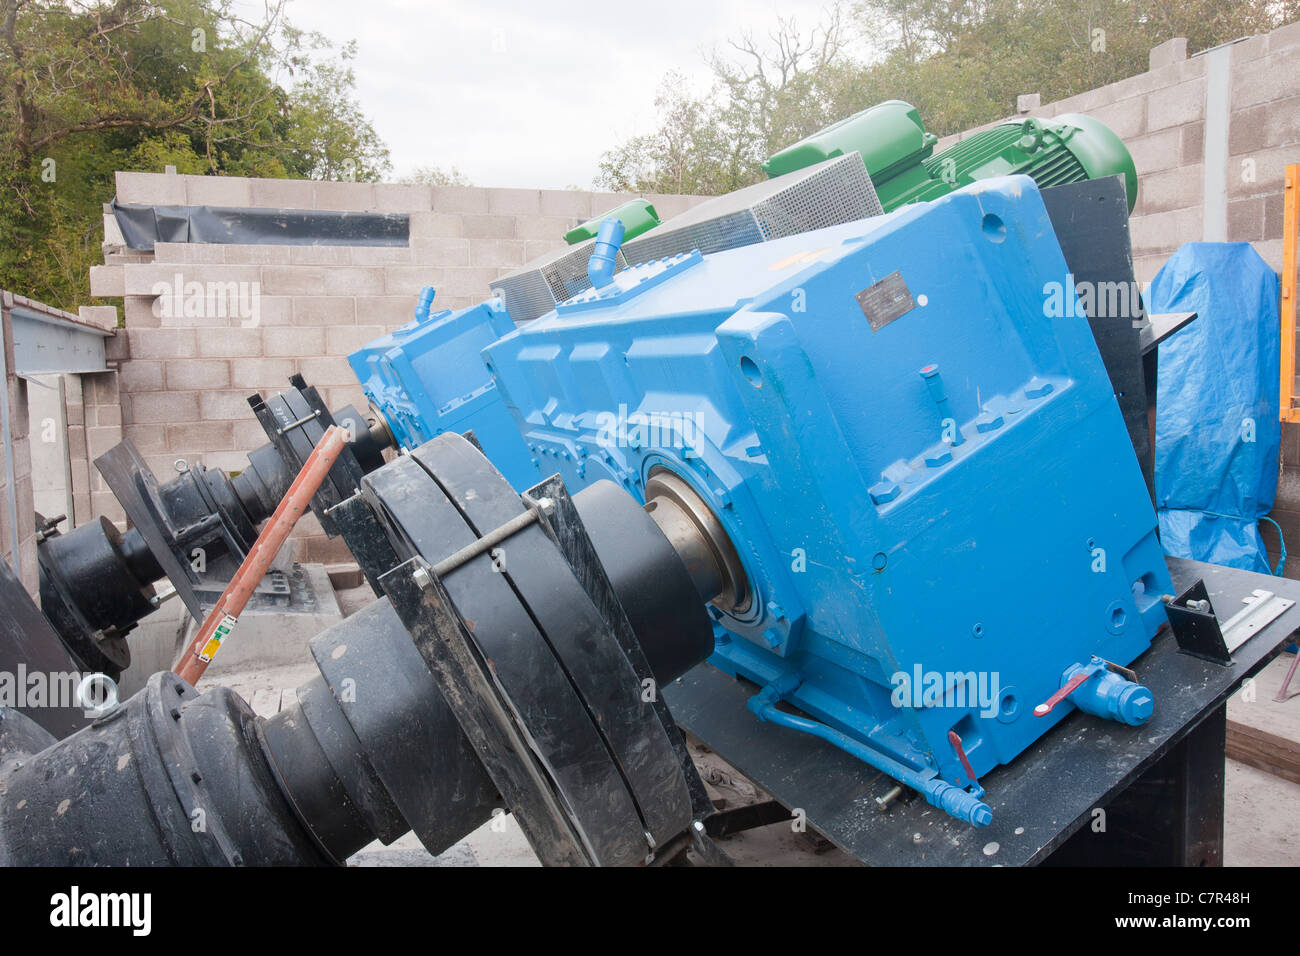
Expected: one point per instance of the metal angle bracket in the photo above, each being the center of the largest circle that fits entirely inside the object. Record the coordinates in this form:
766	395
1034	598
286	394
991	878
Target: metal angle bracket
1198	631
1261	609
1195	626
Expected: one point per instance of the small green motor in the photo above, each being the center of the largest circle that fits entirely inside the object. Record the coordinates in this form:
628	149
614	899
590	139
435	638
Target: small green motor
637	216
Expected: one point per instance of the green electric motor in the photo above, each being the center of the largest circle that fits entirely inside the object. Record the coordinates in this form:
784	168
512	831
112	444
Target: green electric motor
897	152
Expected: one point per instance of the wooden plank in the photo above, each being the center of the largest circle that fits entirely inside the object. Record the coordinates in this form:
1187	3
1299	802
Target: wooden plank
1264	751
1262	732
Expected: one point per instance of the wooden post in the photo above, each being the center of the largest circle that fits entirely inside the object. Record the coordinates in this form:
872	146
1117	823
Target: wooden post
1290	237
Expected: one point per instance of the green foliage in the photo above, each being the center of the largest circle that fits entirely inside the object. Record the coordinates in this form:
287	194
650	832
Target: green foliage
688	154
88	87
962	64
763	96
437	176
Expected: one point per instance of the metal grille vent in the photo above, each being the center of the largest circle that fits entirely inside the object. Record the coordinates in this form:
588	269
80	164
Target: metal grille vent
827	194
538	286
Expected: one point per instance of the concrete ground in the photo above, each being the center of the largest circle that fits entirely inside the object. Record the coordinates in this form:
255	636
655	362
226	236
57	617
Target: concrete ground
1259	816
1261	810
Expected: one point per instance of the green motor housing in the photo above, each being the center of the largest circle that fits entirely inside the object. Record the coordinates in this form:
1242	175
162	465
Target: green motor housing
637	216
889	137
898	153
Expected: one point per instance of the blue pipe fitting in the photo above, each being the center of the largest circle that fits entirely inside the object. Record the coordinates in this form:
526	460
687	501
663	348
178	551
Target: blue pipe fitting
1107	694
424	304
950	799
956	802
930	374
932	380
609	239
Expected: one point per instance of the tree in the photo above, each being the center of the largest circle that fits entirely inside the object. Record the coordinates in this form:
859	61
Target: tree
689	153
764	93
778	91
962	64
88	87
437	176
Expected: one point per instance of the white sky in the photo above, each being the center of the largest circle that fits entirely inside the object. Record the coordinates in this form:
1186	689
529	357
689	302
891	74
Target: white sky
517	93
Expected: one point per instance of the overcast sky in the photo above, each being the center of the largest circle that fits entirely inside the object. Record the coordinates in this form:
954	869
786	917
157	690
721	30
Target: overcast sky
518	93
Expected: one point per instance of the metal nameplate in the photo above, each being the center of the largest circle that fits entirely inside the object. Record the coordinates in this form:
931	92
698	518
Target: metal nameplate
885	301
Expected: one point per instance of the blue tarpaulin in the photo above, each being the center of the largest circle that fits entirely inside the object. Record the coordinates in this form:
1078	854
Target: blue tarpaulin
1217	428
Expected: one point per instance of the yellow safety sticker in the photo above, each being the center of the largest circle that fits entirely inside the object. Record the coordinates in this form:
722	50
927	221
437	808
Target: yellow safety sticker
214	642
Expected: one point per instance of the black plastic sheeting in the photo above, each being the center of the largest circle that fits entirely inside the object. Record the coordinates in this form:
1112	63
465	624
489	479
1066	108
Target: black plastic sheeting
142	226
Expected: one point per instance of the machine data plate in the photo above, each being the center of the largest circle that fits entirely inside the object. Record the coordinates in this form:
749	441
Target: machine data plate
886	301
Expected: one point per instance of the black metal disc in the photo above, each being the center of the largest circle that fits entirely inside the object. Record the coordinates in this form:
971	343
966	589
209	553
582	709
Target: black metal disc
621	707
423	521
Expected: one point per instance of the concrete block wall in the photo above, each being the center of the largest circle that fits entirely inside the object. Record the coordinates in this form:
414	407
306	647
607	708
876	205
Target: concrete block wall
185	378
99	409
1210	136
73	418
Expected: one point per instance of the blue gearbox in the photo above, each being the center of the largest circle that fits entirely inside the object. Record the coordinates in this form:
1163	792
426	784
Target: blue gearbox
928	530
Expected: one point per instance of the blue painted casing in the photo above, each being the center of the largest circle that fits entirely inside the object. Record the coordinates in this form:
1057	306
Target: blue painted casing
428	377
938	516
913	578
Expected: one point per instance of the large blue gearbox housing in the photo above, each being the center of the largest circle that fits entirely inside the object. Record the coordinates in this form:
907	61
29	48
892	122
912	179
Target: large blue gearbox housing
930	533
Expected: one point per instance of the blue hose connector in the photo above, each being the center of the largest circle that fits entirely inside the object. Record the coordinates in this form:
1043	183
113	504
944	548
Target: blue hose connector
424	304
609	239
957	802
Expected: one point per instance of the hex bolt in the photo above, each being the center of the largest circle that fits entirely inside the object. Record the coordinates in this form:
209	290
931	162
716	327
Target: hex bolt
882	803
